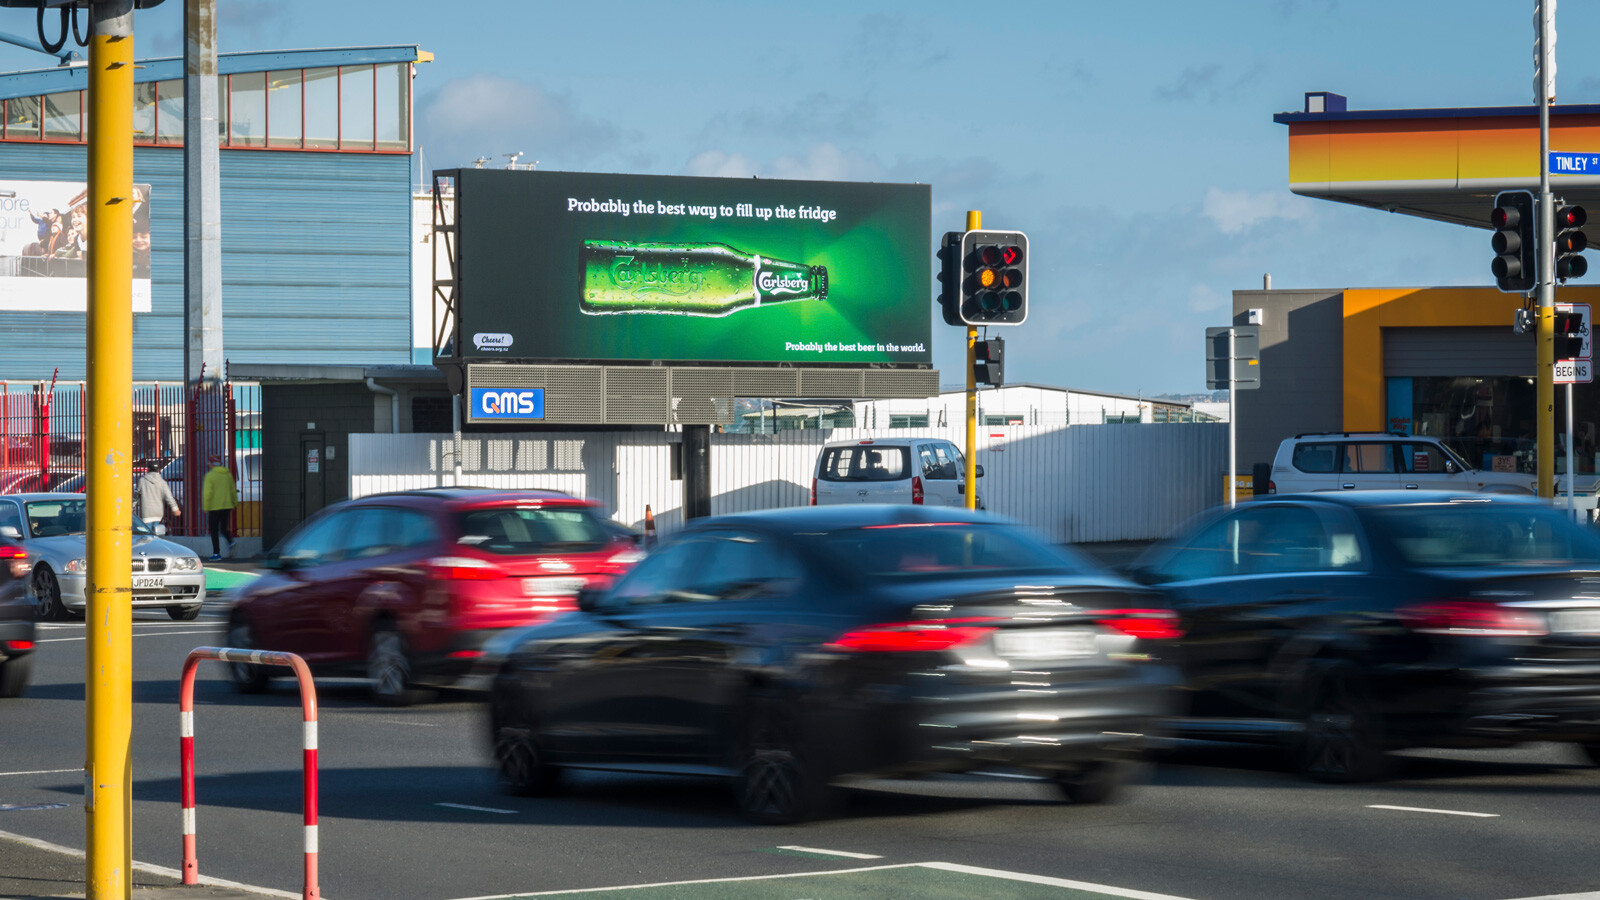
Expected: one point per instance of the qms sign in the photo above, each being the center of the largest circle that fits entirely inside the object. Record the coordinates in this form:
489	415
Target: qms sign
504	403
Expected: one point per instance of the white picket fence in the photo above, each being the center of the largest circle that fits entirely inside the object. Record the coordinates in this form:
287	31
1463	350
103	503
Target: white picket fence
1076	484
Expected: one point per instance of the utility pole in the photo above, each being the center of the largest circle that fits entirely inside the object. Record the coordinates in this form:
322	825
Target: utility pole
974	222
1545	86
108	789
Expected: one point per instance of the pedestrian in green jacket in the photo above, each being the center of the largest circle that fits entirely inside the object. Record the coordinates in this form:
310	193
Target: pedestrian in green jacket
219	493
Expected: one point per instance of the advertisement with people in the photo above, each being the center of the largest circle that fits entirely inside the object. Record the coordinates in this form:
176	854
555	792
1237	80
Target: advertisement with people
44	243
577	266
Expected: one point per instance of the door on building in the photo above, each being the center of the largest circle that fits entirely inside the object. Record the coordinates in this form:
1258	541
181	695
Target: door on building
313	461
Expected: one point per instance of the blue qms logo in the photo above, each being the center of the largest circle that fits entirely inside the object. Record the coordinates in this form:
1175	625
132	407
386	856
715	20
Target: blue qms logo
489	403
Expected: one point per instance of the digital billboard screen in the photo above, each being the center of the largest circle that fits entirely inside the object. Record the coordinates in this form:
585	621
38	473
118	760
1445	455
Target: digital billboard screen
581	266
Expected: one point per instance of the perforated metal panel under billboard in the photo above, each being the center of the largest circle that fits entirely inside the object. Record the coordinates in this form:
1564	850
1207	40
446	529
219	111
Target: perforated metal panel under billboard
595	267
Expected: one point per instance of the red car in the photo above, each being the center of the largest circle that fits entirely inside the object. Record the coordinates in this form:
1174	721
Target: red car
404	588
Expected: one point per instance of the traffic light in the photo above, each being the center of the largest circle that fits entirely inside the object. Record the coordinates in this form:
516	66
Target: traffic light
988	363
1514	266
1571	328
950	277
994	286
1570	242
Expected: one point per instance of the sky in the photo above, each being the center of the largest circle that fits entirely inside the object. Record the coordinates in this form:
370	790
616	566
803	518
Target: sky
1132	140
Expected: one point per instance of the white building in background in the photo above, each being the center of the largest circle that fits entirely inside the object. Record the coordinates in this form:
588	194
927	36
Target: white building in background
1025	404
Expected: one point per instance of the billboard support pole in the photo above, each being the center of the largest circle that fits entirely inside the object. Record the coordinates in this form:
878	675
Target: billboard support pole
974	222
108	663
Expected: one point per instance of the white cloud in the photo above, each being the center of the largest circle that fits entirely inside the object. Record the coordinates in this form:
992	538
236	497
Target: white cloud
1236	211
493	115
822	162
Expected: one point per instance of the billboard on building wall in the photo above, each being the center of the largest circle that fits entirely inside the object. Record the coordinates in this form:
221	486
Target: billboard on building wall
580	266
44	238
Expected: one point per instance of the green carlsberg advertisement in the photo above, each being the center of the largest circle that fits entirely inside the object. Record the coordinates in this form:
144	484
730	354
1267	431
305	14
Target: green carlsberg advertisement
588	267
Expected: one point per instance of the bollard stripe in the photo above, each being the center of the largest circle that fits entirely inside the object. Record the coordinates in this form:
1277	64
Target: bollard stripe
188	820
310	738
186	724
311	839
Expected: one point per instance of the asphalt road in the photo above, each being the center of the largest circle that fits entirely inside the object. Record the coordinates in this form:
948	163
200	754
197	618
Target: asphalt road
409	812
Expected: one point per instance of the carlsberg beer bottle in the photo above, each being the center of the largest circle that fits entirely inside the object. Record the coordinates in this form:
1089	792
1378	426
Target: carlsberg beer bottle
692	279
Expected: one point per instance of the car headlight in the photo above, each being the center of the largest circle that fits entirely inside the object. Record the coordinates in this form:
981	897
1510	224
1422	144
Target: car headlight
76	566
185	563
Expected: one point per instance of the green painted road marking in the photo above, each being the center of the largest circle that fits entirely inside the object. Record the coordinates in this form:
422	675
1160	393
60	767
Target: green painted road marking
218	580
923	881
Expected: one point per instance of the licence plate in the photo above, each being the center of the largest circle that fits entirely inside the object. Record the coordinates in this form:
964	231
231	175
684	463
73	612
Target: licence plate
551	587
149	581
1575	621
1044	643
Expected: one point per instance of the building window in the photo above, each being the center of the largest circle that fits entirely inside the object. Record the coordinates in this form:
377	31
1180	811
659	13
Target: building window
169	111
1112	418
144	113
909	421
322	108
393	97
284	91
63	116
247	109
355	108
22	118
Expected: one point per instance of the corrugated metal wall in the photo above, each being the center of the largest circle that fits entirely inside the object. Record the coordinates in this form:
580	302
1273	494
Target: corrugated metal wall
316	264
1080	484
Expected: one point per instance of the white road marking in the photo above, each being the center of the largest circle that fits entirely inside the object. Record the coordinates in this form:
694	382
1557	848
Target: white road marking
948	867
43	772
506	812
153	869
844	853
1442	812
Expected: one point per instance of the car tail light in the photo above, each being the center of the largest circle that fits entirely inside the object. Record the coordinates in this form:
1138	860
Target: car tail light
916	489
908	637
1472	617
15	646
1272	486
463	568
17	560
813	492
1152	624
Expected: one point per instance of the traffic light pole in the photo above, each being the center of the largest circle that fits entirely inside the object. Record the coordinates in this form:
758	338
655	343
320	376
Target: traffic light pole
974	222
108	794
1545	330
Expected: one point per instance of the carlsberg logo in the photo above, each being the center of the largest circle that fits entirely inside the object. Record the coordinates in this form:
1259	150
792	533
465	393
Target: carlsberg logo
783	282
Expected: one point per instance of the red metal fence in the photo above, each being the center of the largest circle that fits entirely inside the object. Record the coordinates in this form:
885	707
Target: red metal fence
42	440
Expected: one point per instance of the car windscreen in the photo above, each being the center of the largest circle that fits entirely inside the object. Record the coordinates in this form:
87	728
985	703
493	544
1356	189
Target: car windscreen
904	552
49	518
517	530
865	462
1475	533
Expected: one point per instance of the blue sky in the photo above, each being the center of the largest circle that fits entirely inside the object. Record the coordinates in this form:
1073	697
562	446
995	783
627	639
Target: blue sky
1132	140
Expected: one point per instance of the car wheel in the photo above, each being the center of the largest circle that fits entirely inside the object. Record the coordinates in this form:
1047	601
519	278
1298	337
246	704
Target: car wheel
388	668
778	783
247	677
184	613
522	766
1096	782
14	675
1341	742
47	595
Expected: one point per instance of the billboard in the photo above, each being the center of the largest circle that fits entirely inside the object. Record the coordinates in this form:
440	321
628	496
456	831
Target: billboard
597	267
44	238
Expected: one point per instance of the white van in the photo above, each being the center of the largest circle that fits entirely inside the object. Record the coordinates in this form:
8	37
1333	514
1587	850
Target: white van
891	470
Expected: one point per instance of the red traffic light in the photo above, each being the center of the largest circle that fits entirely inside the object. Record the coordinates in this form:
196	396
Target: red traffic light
1011	254
1505	217
1571	217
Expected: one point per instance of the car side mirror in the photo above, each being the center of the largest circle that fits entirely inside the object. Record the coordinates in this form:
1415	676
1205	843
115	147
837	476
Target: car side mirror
978	470
10	531
159	529
1450	467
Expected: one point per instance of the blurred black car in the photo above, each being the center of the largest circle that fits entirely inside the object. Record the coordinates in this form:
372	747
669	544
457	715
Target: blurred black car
16	619
786	648
1345	625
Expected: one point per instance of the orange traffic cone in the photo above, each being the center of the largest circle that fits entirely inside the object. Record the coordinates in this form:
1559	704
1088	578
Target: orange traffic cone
649	526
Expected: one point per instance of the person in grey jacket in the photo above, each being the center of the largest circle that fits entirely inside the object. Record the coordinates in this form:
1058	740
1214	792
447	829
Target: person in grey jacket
154	497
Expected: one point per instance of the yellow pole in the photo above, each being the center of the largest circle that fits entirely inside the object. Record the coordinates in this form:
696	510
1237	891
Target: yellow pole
109	659
974	222
1545	396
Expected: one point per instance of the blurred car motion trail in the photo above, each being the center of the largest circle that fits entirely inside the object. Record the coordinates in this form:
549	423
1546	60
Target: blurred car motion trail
16	619
788	648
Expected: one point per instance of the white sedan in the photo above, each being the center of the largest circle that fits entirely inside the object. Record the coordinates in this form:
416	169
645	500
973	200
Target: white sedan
51	527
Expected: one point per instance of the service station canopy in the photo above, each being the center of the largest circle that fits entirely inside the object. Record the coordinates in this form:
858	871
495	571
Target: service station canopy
1444	164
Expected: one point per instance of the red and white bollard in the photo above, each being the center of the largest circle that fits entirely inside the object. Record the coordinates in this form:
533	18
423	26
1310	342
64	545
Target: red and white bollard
308	705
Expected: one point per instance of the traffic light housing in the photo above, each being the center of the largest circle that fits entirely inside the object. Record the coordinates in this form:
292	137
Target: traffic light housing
994	278
1515	264
988	364
1570	242
950	277
1571	326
